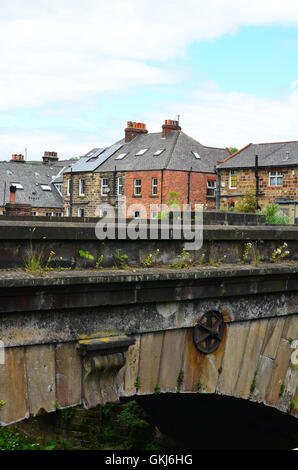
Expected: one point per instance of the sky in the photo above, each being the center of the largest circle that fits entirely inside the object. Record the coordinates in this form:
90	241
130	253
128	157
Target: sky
72	73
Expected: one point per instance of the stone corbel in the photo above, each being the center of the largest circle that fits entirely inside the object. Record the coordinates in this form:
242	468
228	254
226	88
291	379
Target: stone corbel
102	360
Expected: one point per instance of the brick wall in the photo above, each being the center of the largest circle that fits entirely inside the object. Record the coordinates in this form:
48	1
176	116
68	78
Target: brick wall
172	181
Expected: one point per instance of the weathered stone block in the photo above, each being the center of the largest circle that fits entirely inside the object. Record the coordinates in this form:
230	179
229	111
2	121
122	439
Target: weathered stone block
233	356
171	359
280	366
150	352
130	370
40	367
211	367
68	374
192	364
265	368
13	387
250	360
272	337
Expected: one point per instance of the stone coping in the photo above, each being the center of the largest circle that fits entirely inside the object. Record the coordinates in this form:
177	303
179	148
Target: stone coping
20	278
26	231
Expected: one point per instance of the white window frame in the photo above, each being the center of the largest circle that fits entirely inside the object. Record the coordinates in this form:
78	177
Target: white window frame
196	154
79	212
59	214
154	186
153	214
68	186
141	152
17	185
137	187
212	187
68	212
81	187
34	213
51	214
158	152
58	186
120	186
275	175
46	187
232	173
104	186
121	155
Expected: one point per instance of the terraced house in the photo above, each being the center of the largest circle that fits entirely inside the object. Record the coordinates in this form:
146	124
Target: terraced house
144	167
36	190
275	176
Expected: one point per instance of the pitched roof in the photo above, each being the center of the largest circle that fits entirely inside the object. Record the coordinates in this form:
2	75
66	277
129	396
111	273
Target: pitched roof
30	177
177	154
269	155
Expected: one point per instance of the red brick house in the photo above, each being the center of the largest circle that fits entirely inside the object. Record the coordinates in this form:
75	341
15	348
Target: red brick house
144	167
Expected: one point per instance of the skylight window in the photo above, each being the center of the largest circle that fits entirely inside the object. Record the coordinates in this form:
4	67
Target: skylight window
121	155
196	155
141	152
45	187
17	185
9	172
158	152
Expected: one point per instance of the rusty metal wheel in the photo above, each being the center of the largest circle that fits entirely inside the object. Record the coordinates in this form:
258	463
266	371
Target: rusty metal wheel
208	332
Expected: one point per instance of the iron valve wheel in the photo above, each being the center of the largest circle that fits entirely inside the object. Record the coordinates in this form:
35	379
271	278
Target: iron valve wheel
208	332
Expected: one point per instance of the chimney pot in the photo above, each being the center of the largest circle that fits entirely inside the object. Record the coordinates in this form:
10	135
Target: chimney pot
133	129
170	126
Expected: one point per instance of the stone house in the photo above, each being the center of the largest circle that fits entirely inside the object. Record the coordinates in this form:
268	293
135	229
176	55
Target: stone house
276	173
143	167
37	192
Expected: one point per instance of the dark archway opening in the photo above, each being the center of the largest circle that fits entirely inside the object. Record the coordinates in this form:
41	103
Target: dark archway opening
210	421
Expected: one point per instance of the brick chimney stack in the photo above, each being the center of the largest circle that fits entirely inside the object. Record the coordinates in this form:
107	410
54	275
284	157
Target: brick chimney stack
133	129
50	157
170	126
17	158
13	208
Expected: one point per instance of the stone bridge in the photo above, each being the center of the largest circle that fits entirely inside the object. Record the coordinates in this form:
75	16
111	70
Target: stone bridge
94	336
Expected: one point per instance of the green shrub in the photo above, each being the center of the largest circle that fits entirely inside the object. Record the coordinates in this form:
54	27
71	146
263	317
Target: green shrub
274	215
247	203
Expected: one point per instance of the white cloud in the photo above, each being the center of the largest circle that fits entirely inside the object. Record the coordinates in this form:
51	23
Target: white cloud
221	119
69	50
211	116
68	143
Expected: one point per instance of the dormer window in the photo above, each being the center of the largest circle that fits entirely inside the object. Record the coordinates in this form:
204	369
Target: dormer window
141	152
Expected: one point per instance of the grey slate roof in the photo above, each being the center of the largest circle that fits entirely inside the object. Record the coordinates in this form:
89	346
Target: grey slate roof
270	155
30	176
177	155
